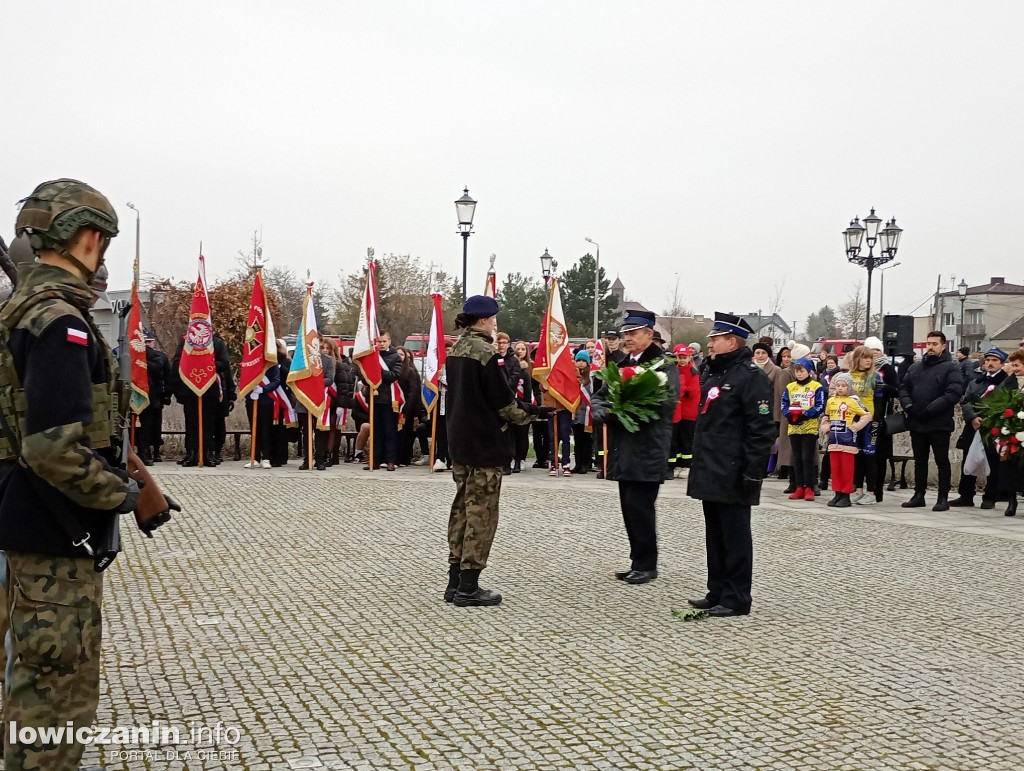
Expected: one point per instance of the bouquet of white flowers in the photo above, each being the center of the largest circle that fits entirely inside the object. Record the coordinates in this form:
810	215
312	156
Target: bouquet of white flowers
636	394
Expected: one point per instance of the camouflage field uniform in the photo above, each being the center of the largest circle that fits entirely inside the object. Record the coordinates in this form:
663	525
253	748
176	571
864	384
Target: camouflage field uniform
58	385
479	408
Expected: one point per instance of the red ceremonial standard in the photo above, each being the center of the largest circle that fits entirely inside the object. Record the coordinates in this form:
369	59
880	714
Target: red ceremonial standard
197	369
259	351
553	365
137	351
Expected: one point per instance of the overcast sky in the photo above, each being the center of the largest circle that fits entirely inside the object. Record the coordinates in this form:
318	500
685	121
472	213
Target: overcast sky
729	143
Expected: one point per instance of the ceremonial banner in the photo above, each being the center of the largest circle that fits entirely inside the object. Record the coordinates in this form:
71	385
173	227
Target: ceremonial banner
137	351
197	368
435	358
364	349
553	365
306	377
491	287
259	351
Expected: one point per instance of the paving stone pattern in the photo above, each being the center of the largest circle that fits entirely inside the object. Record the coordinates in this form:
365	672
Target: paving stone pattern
305	608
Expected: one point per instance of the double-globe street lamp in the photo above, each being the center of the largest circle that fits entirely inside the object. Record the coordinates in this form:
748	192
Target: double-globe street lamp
890	240
465	207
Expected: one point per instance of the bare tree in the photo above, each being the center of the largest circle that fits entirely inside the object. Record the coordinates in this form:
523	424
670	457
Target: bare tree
851	313
678	317
775	306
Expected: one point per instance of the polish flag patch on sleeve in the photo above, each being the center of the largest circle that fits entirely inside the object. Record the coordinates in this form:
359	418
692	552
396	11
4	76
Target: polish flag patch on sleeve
77	336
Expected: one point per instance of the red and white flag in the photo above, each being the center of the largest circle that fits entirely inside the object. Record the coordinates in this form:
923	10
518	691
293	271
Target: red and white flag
259	351
136	338
197	367
364	349
491	287
554	365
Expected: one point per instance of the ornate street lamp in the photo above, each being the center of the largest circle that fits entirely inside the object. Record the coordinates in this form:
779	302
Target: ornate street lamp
871	231
545	266
465	207
961	289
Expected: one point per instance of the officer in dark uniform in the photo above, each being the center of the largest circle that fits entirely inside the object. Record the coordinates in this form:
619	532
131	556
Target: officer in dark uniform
228	395
612	352
638	458
148	437
212	401
733	439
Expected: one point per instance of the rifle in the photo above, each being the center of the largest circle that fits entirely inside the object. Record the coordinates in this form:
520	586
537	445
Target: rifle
7	264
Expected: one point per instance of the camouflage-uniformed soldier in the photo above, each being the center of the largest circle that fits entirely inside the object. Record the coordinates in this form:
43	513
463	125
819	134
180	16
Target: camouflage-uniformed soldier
479	409
60	494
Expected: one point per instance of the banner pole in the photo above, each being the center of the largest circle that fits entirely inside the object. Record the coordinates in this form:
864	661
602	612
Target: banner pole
200	404
373	393
309	440
604	443
131	425
252	439
433	432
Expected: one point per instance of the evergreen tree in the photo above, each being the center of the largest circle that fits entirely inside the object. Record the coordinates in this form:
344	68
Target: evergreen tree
578	298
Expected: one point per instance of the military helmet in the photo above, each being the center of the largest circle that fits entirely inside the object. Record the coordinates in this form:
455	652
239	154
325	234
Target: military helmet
56	210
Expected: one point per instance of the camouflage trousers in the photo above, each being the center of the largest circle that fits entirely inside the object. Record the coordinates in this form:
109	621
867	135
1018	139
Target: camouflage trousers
53	608
474	517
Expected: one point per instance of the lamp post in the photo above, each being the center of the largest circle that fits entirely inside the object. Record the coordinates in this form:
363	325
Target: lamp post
465	207
138	218
881	289
961	289
545	266
890	240
597	278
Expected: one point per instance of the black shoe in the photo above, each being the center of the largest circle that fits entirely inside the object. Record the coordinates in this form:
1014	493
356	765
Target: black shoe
320	466
600	475
540	464
817	491
640	576
158	458
481	598
916	501
517	467
621	574
506	471
843	501
721	611
702	604
303	466
941	504
189	462
790	488
962	501
987	503
835	499
1011	508
453	583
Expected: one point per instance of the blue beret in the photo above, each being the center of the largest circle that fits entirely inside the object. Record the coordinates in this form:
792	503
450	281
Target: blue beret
480	306
999	353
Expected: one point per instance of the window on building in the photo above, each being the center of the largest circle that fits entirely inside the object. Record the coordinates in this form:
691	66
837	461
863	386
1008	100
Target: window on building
948	320
974	316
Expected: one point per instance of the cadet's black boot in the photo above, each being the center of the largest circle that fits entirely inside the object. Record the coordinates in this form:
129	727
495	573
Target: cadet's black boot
453	583
941	503
916	501
470	594
1011	507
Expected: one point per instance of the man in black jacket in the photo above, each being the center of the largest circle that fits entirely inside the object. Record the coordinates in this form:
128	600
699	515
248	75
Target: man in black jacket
985	380
148	437
637	459
731	444
928	393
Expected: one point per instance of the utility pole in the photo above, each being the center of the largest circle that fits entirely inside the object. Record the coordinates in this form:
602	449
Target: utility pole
938	312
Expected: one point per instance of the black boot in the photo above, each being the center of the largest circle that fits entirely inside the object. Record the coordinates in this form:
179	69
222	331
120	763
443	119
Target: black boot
1011	507
844	501
941	503
791	487
470	593
189	461
518	467
963	500
835	499
157	457
506	470
916	501
453	583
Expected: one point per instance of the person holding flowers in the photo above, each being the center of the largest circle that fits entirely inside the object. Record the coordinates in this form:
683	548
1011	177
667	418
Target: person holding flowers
1011	474
637	403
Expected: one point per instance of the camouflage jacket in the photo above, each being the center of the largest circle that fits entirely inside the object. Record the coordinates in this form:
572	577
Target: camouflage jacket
64	403
480	404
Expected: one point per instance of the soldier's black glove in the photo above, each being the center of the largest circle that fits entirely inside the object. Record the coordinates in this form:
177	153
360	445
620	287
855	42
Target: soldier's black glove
546	412
166	401
152	524
752	487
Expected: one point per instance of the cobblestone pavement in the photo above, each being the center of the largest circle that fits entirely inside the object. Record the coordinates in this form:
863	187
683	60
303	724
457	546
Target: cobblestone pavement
305	609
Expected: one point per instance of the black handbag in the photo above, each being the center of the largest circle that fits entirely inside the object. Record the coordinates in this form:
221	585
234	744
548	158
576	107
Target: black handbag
896	423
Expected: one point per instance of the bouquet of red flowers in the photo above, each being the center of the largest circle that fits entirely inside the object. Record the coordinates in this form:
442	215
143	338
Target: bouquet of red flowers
636	394
1002	422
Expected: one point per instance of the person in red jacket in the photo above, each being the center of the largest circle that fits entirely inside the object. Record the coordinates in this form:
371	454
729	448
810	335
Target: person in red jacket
685	418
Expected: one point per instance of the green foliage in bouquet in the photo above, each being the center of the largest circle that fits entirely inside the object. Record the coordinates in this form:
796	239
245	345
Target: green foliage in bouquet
636	394
1002	422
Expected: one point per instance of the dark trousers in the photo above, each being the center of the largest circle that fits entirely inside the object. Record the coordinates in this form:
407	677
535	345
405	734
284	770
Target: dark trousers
682	444
599	445
406	436
441	440
541	441
805	452
385	434
562	423
278	443
730	547
264	428
938	443
826	470
637	500
583	440
969	484
147	433
522	437
319	441
211	412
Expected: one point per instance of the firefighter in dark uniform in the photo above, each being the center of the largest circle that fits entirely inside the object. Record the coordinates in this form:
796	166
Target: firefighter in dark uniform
148	437
733	439
617	355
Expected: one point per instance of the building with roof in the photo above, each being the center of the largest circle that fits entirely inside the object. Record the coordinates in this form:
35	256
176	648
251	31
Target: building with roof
989	310
773	326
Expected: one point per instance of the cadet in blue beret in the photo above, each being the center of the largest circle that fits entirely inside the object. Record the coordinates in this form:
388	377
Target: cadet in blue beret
480	405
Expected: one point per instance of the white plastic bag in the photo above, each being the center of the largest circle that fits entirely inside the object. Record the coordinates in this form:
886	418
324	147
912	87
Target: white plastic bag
976	461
